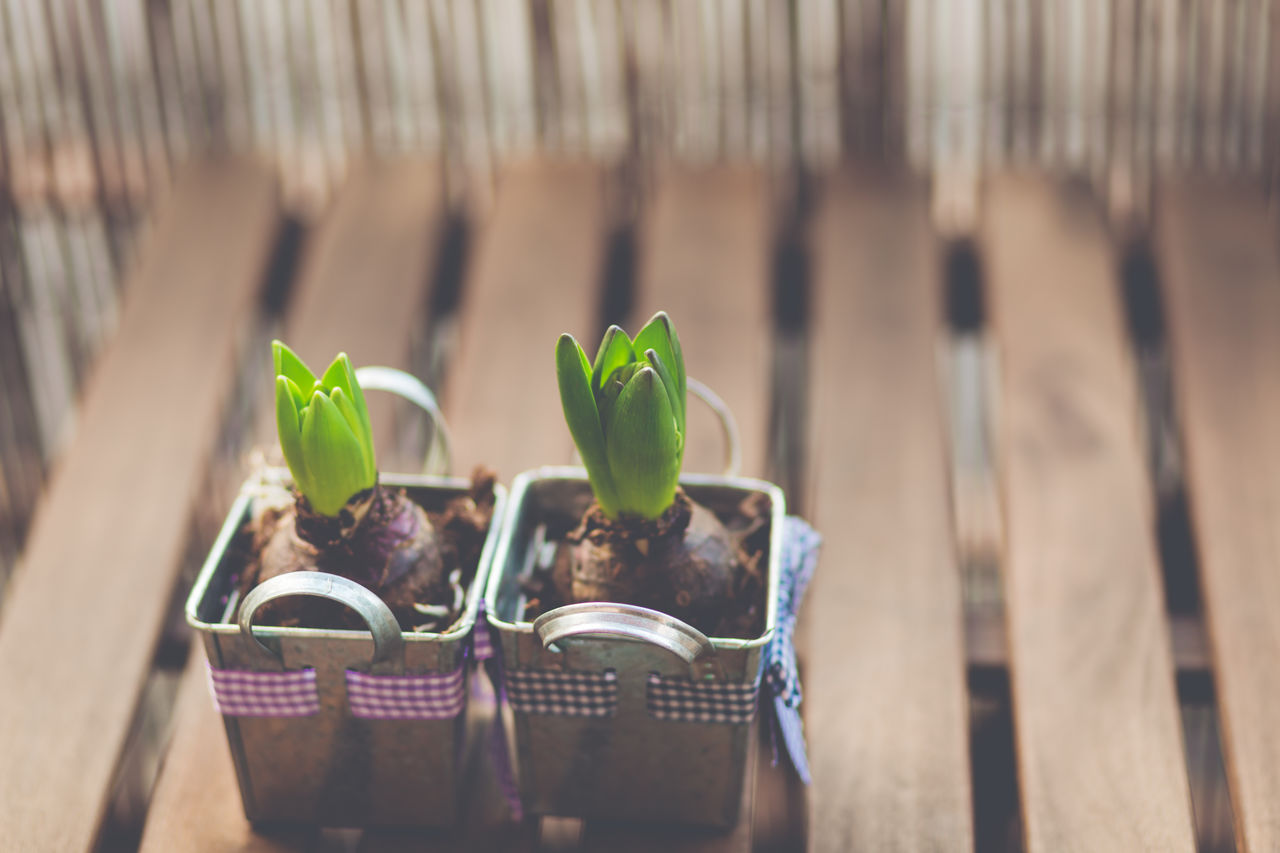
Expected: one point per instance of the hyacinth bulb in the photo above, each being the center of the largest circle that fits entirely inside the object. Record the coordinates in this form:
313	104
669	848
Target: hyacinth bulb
626	413
324	430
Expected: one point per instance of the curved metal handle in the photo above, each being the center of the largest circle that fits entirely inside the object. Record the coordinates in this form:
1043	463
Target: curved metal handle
411	388
627	621
728	426
388	645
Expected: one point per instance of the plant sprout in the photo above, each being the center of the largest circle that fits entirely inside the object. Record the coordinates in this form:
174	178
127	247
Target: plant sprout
324	430
626	413
345	521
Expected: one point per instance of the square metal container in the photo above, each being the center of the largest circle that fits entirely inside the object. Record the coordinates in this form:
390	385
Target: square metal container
630	766
331	768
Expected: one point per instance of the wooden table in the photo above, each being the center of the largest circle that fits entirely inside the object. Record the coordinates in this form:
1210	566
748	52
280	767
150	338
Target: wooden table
889	647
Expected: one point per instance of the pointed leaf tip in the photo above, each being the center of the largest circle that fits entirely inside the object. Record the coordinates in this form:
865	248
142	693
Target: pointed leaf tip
289	416
672	389
643	446
659	334
573	374
334	457
288	364
615	351
340	374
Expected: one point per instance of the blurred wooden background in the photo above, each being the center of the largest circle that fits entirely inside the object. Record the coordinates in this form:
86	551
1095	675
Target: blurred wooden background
101	101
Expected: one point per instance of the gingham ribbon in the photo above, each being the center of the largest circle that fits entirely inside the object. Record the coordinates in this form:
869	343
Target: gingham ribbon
428	696
686	701
800	544
568	694
487	656
238	693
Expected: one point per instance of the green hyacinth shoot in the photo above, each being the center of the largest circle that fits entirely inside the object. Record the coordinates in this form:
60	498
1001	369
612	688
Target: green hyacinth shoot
324	430
626	413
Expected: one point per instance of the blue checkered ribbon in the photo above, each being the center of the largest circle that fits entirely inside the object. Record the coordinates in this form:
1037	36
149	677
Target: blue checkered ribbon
685	701
800	544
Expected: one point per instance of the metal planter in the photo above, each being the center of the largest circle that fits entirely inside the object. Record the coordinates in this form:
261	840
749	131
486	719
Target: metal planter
623	762
332	767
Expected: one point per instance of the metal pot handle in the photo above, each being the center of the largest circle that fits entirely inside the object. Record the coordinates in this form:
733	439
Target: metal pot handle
627	621
411	388
388	645
728	426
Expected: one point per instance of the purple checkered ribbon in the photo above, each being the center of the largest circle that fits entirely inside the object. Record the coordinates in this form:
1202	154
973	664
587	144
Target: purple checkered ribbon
238	693
685	701
800	544
428	696
481	639
486	655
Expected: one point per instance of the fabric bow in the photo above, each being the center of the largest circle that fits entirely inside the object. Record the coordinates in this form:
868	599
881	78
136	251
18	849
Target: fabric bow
800	545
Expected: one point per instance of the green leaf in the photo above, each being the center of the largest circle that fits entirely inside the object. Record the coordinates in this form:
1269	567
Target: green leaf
289	429
352	417
334	457
669	383
341	374
659	334
336	376
362	409
299	399
615	351
643	446
607	397
573	373
288	364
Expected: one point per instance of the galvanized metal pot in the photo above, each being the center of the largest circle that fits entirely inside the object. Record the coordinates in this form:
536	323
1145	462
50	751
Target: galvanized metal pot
332	767
591	744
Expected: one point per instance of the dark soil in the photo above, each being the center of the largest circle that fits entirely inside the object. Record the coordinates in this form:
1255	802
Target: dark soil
419	561
707	570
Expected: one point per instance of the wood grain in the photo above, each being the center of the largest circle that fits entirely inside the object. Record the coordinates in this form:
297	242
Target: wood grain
885	698
987	642
82	617
1096	718
365	279
1216	251
704	259
536	273
361	288
705	250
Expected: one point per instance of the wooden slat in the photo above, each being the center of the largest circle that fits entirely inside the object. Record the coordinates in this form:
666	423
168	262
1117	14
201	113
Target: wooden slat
82	617
364	282
361	289
1217	253
536	273
987	643
1096	717
705	261
884	685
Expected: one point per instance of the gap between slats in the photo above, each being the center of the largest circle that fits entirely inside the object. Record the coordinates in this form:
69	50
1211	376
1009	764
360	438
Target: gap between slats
968	364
